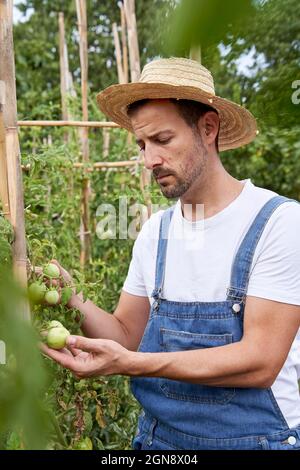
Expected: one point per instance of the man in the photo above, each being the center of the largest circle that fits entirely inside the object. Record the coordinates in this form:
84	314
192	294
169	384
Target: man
218	355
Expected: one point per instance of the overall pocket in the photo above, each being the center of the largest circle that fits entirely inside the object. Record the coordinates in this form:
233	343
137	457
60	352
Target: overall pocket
172	340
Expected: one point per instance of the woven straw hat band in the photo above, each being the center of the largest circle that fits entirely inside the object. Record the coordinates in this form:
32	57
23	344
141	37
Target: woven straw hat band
184	72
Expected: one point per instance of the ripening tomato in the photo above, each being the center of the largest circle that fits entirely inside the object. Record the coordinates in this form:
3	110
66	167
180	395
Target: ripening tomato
51	270
84	444
52	297
36	292
57	337
55	324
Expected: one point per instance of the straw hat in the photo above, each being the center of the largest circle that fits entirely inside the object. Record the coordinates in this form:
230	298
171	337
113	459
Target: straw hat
181	79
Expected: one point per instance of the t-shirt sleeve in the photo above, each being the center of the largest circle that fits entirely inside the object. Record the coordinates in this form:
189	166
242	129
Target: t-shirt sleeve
275	274
134	282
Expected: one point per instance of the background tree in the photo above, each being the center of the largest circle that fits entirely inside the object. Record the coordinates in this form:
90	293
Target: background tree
36	47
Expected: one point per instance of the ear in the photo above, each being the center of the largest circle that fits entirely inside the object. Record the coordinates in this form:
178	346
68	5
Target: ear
209	127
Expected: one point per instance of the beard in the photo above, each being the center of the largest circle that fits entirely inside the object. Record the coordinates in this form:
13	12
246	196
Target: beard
196	159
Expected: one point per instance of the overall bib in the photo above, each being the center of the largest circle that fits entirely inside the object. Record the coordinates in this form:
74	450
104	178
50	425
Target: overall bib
179	415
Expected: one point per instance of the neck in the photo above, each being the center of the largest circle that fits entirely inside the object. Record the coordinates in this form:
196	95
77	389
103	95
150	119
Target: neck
214	190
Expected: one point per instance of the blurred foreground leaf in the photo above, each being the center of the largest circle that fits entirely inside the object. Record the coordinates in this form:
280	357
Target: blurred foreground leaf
202	22
23	418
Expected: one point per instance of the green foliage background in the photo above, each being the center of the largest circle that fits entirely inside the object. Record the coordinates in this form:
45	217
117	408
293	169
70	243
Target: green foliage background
104	409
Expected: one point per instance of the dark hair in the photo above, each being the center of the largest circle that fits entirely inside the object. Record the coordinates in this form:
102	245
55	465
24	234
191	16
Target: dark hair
189	110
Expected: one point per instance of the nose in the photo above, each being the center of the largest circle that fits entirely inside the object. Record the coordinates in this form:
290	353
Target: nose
152	159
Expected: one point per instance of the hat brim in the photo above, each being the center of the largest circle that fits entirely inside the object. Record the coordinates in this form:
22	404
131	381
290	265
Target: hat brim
237	124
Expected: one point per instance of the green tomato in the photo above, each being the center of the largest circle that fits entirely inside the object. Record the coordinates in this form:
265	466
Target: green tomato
52	297
36	292
84	444
57	337
96	385
55	324
51	270
81	385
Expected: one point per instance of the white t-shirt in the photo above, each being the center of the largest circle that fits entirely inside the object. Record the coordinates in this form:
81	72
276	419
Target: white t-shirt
199	260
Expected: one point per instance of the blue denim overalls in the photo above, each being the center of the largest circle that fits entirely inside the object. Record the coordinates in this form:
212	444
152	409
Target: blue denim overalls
179	415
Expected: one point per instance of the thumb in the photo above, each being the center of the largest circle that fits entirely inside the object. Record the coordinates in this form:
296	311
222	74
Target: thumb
54	261
80	342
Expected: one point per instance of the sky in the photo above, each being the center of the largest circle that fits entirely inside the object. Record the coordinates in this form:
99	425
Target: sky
17	15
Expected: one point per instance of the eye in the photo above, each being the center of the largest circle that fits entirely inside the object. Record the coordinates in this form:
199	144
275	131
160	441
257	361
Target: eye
163	141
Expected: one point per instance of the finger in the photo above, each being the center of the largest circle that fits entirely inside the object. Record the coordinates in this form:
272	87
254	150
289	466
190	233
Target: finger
67	351
75	351
54	261
66	276
38	270
60	356
86	344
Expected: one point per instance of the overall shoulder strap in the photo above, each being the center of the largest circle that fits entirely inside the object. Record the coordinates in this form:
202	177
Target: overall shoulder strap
162	251
241	266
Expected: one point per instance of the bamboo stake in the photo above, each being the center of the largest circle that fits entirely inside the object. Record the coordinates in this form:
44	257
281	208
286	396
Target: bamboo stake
4	196
108	164
195	53
133	46
14	171
135	67
118	53
95	165
63	66
124	44
83	50
66	80
106	140
67	123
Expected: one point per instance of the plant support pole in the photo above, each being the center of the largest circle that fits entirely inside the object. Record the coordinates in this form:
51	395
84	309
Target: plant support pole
4	196
14	171
83	49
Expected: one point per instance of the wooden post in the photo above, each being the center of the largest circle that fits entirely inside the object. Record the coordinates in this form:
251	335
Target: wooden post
83	49
195	53
118	53
124	44
97	165
135	69
64	72
66	80
133	45
14	171
106	141
95	124
63	63
4	196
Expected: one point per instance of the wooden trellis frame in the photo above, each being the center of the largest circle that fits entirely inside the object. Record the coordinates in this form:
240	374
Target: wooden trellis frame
11	189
